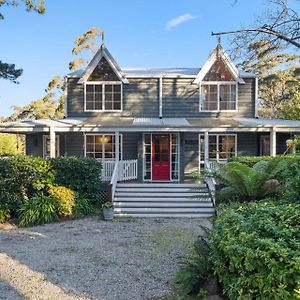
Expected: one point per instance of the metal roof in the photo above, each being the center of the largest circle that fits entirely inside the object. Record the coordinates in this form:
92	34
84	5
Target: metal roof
163	72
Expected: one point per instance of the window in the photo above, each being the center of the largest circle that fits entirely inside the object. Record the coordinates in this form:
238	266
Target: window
218	96
103	96
220	147
102	146
46	146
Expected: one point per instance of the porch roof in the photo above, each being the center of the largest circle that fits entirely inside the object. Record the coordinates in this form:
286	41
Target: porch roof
123	124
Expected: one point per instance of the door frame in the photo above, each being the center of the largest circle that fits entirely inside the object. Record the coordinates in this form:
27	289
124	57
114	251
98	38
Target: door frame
170	155
262	138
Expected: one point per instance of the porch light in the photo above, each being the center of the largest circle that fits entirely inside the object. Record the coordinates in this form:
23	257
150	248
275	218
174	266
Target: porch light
99	139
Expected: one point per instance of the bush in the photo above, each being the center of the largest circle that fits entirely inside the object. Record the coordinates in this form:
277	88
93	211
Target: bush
292	186
197	270
252	160
65	199
4	213
38	210
243	183
79	174
255	250
21	177
83	207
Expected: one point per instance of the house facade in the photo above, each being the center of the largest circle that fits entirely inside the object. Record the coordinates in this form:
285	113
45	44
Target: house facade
165	122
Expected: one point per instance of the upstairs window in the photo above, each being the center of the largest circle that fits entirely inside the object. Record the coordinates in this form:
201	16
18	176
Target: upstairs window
103	89
218	90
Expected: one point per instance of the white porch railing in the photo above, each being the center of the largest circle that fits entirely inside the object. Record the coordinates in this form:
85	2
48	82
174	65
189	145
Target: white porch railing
119	171
107	169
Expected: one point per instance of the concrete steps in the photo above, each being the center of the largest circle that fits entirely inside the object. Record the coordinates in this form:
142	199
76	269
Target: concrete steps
163	200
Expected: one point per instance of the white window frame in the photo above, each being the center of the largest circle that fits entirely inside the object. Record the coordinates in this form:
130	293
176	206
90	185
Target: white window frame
217	146
47	137
103	83
179	162
217	83
103	147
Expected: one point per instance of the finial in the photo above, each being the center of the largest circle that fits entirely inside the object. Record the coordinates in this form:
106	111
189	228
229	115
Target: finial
102	37
219	40
219	47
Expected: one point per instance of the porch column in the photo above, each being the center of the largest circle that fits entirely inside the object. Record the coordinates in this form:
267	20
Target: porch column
206	146
273	142
117	145
52	142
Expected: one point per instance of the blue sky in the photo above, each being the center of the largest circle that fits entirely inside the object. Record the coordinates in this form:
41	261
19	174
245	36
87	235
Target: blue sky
138	33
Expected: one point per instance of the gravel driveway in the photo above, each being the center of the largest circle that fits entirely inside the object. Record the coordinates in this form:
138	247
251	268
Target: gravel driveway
94	259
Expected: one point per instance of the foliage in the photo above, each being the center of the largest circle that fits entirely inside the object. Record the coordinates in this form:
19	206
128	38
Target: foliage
38	210
255	250
23	176
107	205
11	144
65	199
292	186
4	213
290	109
85	42
252	160
8	71
49	107
83	207
80	174
243	183
196	270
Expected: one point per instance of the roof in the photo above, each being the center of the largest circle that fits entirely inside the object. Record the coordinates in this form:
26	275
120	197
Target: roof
161	72
102	124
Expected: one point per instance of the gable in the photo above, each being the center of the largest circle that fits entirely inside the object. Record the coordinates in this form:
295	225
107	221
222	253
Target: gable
219	72
103	72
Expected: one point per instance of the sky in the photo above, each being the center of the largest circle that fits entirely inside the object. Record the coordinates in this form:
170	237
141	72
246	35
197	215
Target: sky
138	33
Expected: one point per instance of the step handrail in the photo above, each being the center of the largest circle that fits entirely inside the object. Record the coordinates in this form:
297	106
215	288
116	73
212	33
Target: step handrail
210	167
113	181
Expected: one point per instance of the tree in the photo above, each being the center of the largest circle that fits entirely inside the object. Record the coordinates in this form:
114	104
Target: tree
85	42
48	107
290	109
11	144
280	25
9	71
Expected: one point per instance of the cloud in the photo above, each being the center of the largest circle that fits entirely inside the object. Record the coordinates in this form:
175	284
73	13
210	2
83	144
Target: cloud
179	20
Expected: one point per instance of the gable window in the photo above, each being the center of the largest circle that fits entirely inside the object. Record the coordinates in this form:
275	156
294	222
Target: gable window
218	90
102	146
101	96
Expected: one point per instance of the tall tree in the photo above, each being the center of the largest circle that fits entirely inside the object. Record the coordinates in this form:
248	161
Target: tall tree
8	71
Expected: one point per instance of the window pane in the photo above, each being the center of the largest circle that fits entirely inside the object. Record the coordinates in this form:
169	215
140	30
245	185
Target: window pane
210	97
227	97
90	139
117	88
98	88
117	105
108	88
89	88
108	105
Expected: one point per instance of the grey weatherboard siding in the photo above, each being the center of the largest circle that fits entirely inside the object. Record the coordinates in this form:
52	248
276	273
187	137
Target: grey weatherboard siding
180	98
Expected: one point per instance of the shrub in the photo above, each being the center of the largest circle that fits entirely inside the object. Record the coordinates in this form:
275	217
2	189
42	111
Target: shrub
38	210
243	183
252	160
23	176
65	199
83	207
255	250
81	174
4	213
292	186
196	270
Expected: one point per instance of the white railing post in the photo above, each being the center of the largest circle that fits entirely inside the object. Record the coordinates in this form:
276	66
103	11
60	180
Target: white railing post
52	142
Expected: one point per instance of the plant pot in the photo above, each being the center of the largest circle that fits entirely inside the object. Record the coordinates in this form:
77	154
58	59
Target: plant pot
108	214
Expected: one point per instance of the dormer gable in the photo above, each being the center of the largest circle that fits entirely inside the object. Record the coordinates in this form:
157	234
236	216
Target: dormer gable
219	67
103	67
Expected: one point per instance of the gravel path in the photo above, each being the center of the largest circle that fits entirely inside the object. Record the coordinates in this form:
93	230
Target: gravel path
94	259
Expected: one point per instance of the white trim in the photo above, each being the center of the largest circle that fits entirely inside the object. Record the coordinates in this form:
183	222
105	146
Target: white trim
102	52
66	97
217	83
160	96
103	147
206	147
57	150
256	98
273	143
103	83
212	58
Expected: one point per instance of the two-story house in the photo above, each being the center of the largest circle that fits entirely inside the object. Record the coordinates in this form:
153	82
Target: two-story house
159	124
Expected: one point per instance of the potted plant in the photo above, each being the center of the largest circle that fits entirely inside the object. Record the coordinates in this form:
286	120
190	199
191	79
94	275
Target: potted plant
108	211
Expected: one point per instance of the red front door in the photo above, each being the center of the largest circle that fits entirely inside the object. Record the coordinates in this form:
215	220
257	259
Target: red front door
160	157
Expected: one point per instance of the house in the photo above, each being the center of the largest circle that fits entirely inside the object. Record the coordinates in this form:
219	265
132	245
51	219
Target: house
158	124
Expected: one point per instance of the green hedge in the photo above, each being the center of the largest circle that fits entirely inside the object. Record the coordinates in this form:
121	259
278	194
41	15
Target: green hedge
255	250
252	160
23	177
